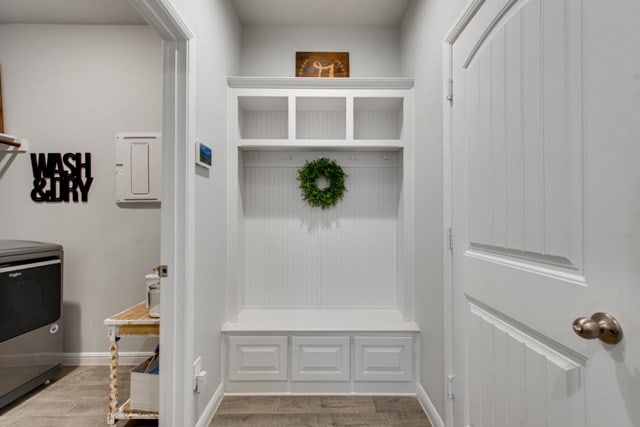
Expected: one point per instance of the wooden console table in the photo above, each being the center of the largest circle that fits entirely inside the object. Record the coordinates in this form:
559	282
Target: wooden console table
132	321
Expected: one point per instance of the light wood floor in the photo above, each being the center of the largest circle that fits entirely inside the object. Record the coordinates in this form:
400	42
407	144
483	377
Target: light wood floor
78	397
320	411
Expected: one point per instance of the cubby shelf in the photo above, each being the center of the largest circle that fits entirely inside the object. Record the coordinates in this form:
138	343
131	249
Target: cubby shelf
263	117
298	112
357	255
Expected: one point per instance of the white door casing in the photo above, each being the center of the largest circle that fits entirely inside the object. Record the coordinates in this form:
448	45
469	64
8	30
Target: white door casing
177	229
543	137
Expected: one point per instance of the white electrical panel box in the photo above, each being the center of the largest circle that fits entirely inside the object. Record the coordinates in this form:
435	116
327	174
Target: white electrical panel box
138	167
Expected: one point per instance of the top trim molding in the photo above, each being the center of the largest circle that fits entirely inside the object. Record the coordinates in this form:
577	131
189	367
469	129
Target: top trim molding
485	34
163	17
467	14
312	83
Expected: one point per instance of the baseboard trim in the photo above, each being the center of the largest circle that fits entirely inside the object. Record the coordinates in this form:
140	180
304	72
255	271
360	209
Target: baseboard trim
427	406
102	358
212	407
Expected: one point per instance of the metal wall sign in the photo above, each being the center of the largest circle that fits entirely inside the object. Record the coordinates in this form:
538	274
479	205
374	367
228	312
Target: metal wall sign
61	177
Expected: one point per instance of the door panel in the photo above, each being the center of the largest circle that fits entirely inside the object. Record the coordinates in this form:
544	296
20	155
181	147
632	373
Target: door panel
516	380
546	212
525	190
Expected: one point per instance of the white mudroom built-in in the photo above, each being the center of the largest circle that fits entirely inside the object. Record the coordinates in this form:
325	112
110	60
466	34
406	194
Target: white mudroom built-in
320	299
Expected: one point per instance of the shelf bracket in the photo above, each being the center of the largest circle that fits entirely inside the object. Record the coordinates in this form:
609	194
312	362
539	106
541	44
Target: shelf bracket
16	146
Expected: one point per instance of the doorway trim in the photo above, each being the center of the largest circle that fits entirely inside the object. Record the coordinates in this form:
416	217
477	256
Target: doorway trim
177	230
448	89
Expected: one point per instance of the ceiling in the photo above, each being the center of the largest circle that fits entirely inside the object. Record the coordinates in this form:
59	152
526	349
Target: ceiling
250	12
321	12
104	12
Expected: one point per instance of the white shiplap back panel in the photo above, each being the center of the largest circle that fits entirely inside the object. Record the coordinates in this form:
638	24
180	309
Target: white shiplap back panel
299	256
358	255
525	190
377	124
321	124
280	267
515	379
264	124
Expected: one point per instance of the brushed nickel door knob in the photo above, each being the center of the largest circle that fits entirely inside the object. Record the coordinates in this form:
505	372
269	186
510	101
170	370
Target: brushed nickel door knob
601	325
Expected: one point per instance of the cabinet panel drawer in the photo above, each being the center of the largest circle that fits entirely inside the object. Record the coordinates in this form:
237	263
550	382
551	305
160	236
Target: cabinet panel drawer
383	359
257	358
320	359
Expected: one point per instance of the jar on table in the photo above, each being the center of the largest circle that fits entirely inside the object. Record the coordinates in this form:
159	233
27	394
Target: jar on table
153	293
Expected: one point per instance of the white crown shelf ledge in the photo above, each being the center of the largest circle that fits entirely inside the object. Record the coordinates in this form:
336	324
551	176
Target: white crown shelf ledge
312	145
319	83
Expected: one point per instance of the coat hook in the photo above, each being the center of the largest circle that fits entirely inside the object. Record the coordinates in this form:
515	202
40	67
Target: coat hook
257	156
352	157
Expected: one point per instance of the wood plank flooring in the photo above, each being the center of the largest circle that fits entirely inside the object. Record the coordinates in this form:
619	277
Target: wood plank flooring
78	397
320	411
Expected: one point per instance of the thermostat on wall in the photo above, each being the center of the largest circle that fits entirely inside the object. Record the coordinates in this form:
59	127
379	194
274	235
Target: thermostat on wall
138	167
204	154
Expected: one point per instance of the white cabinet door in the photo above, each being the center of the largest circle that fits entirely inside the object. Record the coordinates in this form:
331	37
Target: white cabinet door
320	358
383	358
546	212
257	358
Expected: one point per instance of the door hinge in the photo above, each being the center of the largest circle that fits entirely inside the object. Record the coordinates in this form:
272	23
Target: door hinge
450	91
450	237
450	379
163	270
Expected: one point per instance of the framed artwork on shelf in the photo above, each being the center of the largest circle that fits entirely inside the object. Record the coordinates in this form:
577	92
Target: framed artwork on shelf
322	64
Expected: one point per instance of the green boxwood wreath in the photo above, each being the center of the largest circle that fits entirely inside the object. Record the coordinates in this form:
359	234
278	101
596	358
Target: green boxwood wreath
308	176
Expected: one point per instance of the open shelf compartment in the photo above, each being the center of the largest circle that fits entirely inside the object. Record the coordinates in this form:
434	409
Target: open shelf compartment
378	118
263	117
321	118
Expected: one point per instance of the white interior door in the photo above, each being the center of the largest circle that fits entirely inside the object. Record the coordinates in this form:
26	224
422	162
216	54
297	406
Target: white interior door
546	212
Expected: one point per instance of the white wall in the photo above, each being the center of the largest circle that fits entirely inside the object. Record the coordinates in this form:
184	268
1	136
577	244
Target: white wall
71	89
217	32
271	51
422	33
